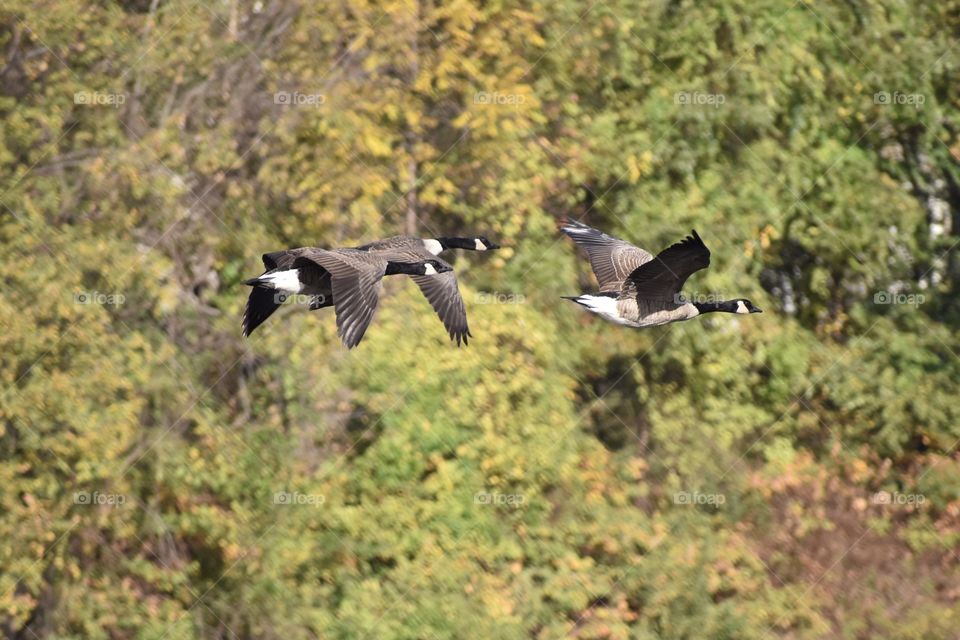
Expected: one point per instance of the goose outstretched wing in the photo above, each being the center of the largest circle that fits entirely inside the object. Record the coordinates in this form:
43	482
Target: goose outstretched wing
443	293
355	280
612	259
441	290
663	277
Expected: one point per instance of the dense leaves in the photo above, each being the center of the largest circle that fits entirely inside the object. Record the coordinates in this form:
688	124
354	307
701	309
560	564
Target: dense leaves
793	474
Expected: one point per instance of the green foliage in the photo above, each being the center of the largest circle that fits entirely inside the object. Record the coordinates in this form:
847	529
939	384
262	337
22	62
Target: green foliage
560	477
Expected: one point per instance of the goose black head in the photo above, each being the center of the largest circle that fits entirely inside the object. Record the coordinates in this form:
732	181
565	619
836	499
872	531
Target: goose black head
481	243
433	267
745	306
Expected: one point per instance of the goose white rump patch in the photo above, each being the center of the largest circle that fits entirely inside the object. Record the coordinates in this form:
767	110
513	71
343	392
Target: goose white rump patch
604	306
433	246
287	281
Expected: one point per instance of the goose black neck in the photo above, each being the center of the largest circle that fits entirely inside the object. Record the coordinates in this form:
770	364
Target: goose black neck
728	306
408	268
457	243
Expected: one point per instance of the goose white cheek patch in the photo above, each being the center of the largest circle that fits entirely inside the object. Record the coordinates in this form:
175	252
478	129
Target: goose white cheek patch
742	308
478	244
433	246
429	270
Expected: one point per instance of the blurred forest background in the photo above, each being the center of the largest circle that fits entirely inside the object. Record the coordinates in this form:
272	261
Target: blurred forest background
787	475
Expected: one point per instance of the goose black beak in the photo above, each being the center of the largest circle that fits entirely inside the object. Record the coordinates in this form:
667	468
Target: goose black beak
493	245
756	310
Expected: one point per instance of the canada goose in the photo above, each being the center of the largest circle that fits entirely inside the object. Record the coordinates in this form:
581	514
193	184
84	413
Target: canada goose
442	290
640	290
347	279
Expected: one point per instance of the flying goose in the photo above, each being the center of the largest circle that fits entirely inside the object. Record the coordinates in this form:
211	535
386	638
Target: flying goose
347	279
640	290
441	290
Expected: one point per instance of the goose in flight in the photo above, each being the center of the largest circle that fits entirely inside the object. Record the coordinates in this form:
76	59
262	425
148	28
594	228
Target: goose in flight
347	279
441	291
638	289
